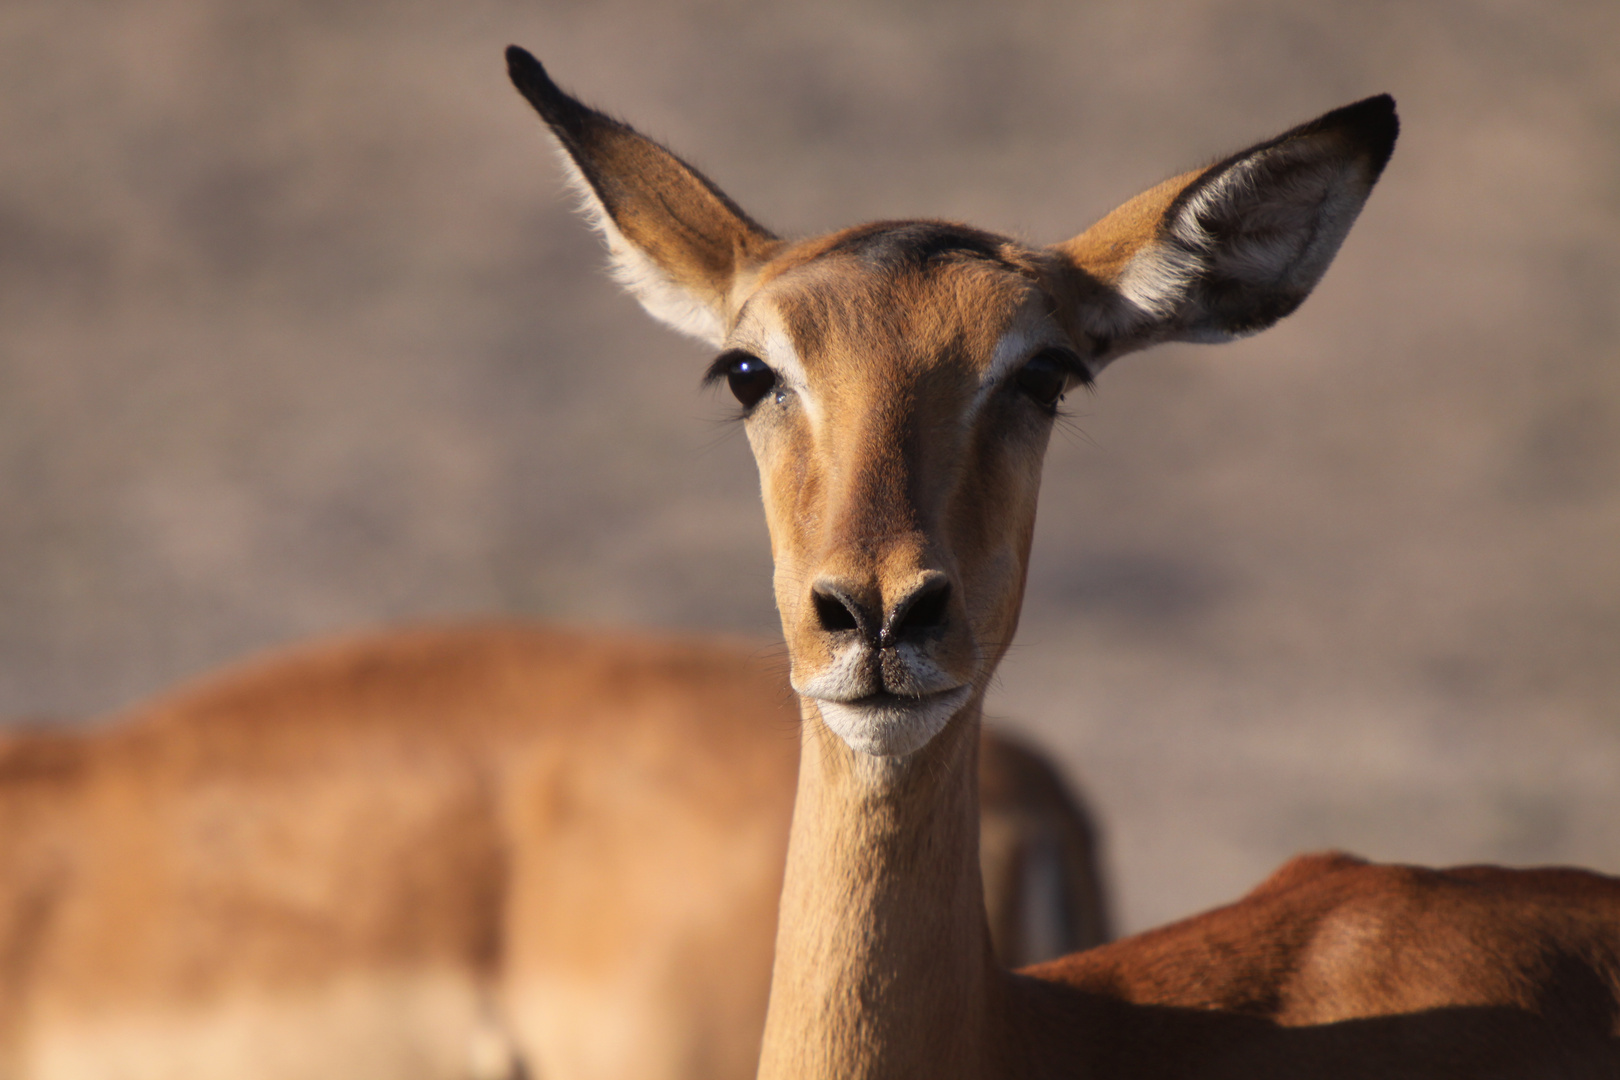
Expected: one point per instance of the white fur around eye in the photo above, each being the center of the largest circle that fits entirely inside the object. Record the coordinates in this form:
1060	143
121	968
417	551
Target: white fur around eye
1028	336
761	333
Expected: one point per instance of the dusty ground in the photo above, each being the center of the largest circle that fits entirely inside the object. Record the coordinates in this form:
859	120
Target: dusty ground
297	334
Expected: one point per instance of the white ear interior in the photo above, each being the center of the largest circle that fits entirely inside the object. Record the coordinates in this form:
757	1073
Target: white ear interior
664	299
1268	224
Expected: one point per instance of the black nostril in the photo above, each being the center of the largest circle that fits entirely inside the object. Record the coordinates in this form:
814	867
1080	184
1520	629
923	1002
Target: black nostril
835	612
924	610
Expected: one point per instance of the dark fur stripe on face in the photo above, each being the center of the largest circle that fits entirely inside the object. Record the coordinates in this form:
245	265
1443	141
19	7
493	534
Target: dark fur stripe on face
912	245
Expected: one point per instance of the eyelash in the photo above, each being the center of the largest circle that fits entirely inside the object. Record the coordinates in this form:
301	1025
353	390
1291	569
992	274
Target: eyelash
1033	378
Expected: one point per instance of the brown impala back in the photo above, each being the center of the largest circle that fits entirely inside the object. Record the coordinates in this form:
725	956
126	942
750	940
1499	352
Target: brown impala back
441	853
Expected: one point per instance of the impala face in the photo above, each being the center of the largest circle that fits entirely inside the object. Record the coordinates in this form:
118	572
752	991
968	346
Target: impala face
899	384
899	380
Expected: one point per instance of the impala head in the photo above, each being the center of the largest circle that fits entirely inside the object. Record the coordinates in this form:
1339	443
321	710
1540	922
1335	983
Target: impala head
899	380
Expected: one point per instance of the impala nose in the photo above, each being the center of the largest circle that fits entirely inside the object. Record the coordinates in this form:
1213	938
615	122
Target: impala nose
921	611
838	610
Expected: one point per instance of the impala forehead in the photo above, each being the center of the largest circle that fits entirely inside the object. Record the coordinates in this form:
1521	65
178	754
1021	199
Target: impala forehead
835	323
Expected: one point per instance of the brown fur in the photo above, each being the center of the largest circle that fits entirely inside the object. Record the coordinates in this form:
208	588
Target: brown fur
1345	939
514	821
1104	249
899	449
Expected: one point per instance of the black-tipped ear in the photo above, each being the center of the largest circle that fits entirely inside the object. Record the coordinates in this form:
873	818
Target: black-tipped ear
1228	250
532	81
1370	123
676	241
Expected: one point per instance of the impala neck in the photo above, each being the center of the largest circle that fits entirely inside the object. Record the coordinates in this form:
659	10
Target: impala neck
883	958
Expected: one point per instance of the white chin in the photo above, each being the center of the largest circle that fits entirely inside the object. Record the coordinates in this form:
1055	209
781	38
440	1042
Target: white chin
896	727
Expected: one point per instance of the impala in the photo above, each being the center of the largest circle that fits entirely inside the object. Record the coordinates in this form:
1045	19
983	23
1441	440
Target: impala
898	383
464	852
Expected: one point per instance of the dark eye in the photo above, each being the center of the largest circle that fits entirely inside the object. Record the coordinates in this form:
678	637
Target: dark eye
748	378
1044	377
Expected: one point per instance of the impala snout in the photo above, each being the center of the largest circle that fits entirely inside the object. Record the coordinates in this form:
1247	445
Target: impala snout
898	661
921	613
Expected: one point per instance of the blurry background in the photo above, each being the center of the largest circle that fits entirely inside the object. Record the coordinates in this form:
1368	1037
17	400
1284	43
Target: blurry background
298	335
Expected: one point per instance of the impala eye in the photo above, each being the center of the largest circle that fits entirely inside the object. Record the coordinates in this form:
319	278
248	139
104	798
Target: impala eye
1046	375
747	376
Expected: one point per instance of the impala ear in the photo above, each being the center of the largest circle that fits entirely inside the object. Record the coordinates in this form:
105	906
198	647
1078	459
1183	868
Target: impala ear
1226	251
675	240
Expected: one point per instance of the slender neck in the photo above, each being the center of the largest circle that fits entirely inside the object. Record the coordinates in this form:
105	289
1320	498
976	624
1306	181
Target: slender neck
883	958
